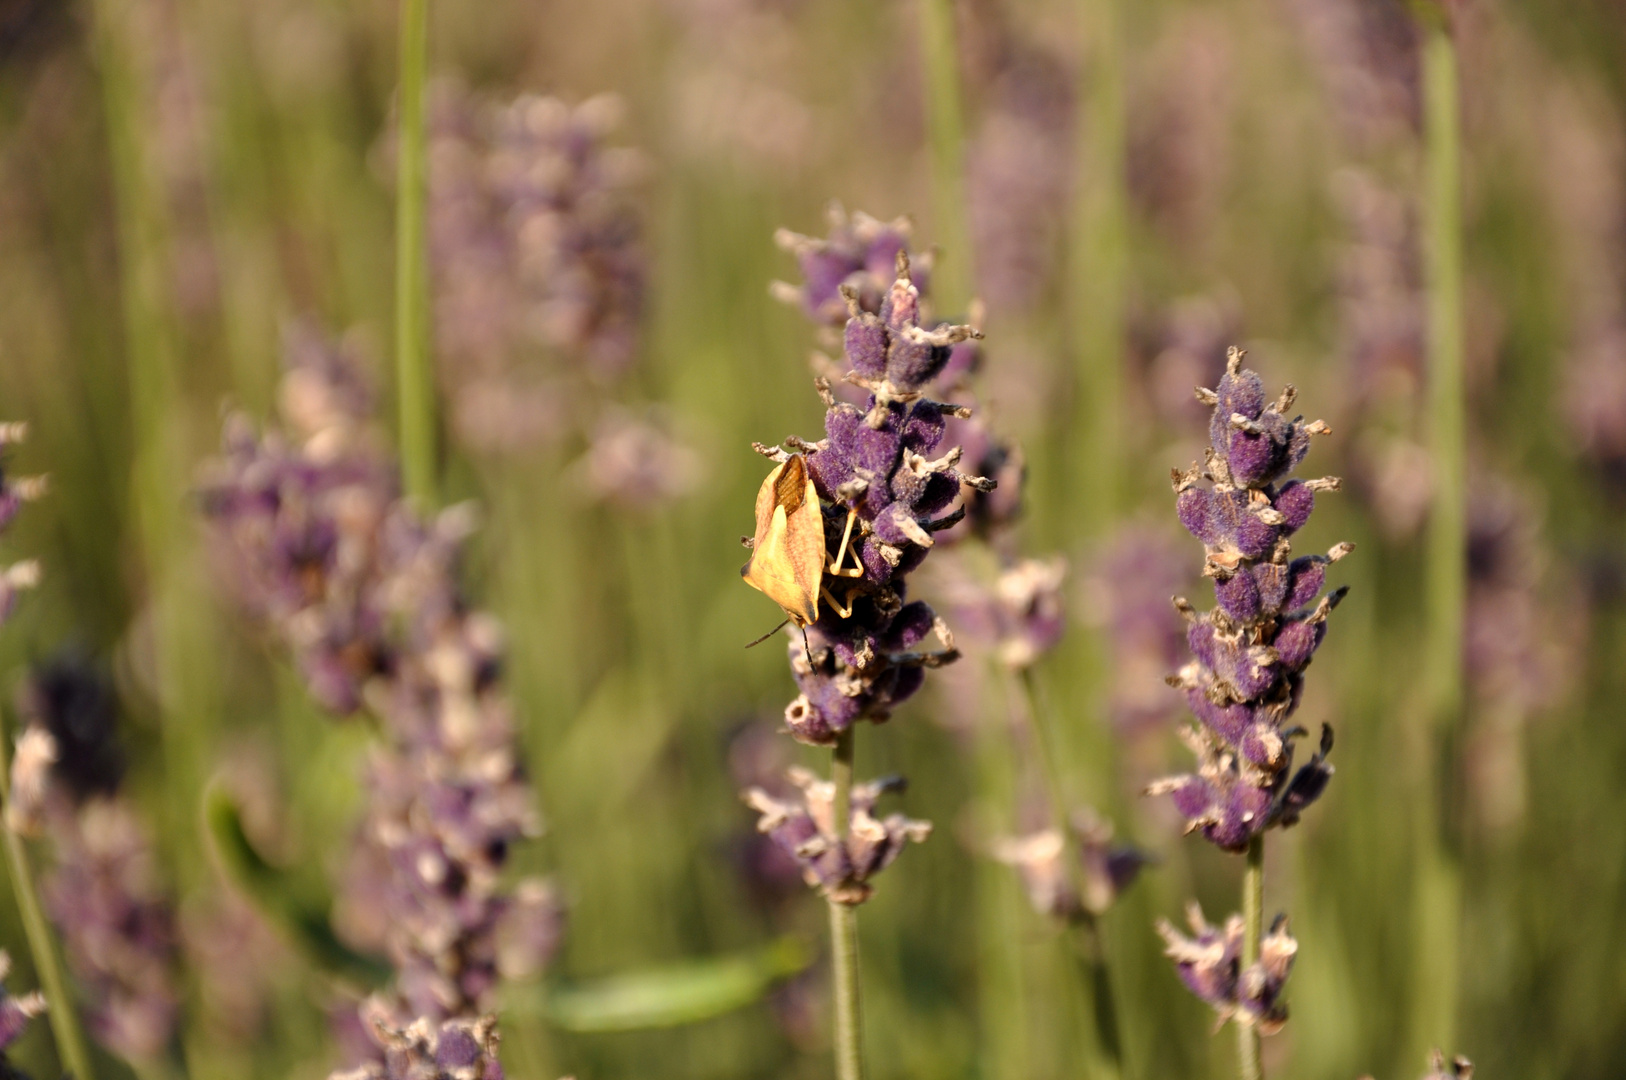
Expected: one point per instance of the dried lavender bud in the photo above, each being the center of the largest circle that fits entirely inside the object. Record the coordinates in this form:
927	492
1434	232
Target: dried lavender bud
804	828
117	926
1210	965
425	1049
1104	869
857	256
15	1013
1250	652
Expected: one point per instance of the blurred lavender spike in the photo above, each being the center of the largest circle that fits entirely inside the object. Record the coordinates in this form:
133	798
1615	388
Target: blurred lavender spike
1210	965
425	1049
804	828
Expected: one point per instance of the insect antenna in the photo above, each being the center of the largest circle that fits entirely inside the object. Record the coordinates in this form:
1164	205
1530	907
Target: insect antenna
774	631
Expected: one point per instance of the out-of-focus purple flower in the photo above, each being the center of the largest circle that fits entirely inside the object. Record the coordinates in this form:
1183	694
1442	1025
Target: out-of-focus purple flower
1179	125
15	1014
758	758
1102	872
1019	616
1380	289
803	826
637	463
102	890
1366	52
537	258
117	926
1018	177
296	517
1520	644
365	592
1210	964
1249	653
859	253
424	1049
1127	598
1183	345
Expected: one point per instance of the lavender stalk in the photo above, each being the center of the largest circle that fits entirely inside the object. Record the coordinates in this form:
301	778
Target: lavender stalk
414	381
945	123
856	653
63	1018
1438	883
1244	684
1100	254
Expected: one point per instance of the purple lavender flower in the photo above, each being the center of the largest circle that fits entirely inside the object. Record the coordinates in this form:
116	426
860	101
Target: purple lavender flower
422	1049
15	1014
1210	964
1129	586
859	255
863	653
1367	54
1041	859
1020	618
364	591
804	828
296	516
537	257
117	926
102	889
1250	651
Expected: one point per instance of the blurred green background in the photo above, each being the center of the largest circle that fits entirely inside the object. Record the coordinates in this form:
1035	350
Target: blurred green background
179	177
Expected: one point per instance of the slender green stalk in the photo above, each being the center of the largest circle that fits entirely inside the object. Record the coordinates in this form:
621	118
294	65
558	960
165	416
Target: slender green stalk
844	928
1099	266
1097	980
1253	920
64	1018
945	128
1437	879
414	386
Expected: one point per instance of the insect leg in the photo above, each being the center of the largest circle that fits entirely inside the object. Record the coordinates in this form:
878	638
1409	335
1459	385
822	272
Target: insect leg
845	612
841	553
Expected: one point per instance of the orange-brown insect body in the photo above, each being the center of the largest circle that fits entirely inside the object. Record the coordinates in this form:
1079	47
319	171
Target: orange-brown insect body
787	555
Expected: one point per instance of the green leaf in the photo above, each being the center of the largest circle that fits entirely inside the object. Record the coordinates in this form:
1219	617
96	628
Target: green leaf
683	993
298	908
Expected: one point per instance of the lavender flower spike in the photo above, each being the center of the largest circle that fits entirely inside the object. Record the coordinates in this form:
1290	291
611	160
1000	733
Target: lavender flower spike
1249	653
805	830
1210	964
461	1049
15	1013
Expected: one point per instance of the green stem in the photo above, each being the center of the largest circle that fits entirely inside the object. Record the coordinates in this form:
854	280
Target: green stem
844	928
945	128
414	381
1097	981
64	1019
1438	900
1253	918
1099	267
